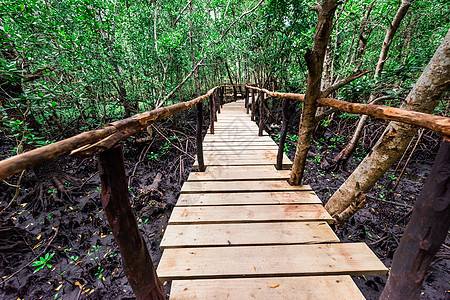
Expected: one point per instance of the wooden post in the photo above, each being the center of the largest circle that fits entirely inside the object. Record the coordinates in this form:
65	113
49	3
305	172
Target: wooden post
137	263
215	106
253	106
425	232
217	101
201	161
247	105
211	113
261	113
284	128
222	91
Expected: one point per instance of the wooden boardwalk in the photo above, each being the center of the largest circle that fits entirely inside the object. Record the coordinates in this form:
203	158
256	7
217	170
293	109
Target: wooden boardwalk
240	231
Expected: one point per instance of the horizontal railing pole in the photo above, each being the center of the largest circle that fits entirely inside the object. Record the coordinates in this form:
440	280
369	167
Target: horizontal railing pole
96	141
438	124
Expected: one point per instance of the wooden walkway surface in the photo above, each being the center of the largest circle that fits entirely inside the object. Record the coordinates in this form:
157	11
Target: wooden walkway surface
240	231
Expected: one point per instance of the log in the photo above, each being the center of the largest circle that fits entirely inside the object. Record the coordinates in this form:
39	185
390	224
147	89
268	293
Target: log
137	263
438	124
425	232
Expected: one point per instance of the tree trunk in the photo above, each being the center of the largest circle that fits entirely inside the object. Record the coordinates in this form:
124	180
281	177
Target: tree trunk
314	60
424	97
424	234
231	81
196	79
401	12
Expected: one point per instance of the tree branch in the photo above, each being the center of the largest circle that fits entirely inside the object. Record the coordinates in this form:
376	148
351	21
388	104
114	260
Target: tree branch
343	82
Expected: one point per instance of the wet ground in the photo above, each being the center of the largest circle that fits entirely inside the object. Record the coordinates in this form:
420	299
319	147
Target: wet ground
72	242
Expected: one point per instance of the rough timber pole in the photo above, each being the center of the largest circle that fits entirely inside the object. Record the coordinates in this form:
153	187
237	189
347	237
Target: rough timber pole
201	162
261	113
284	128
253	106
314	61
136	260
424	234
212	113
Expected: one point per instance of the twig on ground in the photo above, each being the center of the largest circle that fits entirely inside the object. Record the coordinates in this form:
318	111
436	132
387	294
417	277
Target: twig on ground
34	259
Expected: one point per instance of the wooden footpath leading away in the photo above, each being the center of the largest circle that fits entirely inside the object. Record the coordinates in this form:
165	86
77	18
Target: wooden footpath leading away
240	231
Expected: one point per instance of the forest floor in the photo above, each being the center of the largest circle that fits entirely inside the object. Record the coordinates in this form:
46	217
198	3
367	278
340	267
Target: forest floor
82	259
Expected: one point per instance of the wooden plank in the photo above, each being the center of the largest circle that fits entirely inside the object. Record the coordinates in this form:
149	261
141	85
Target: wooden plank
266	261
242	148
249	214
242	156
214	173
285	165
241	186
210	138
242	162
238	152
253	198
272	288
243	144
247	234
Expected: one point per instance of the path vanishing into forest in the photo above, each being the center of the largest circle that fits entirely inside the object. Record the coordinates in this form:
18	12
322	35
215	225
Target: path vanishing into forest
240	231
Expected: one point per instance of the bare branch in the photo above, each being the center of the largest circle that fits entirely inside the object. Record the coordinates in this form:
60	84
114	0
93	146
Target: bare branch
343	82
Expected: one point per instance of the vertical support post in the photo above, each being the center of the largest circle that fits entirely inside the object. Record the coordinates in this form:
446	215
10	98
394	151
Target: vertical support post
261	114
284	128
137	263
211	113
201	161
215	105
222	91
217	102
425	232
247	105
253	106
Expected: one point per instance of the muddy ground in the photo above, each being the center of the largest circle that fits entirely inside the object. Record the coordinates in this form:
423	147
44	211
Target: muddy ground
83	261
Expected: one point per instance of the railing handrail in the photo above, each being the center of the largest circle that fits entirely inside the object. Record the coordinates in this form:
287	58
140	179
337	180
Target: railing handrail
438	124
92	142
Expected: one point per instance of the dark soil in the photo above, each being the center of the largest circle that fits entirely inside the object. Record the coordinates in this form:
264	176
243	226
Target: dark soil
86	263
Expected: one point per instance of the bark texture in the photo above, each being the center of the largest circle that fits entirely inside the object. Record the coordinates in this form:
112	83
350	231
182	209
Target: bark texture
424	234
137	263
314	60
424	97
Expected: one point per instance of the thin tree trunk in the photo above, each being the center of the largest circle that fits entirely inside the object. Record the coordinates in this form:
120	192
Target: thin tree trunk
196	79
350	147
424	97
314	60
231	81
424	234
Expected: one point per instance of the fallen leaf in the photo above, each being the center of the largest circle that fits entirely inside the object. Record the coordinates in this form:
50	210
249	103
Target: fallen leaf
57	289
274	285
39	236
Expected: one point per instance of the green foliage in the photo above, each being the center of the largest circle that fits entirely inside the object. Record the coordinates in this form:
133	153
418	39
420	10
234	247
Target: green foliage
43	262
